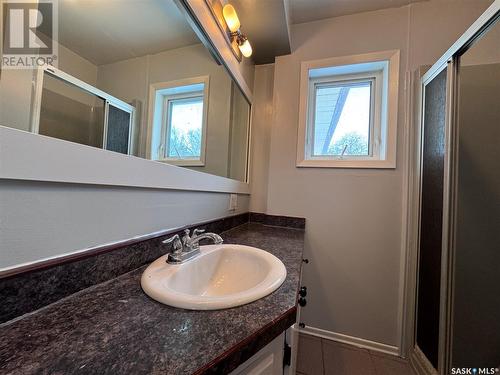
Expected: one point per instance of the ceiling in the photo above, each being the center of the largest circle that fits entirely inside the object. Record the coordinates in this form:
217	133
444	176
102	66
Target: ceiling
313	10
266	25
267	22
108	31
104	32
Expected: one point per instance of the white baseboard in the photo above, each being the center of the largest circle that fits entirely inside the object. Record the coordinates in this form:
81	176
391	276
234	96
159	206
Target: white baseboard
420	363
351	340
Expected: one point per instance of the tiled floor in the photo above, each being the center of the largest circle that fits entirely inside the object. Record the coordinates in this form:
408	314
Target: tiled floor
319	356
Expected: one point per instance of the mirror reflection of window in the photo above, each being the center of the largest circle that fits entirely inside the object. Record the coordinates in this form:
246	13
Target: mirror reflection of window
178	125
184	127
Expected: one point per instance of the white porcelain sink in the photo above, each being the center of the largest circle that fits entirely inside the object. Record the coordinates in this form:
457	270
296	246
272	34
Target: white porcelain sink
221	276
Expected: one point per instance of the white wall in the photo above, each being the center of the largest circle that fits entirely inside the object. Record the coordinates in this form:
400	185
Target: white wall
43	220
354	217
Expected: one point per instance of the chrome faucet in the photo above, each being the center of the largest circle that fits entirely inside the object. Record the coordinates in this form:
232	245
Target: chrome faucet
188	247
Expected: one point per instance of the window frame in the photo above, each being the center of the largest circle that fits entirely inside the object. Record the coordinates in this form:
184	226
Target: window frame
157	122
383	68
166	128
374	121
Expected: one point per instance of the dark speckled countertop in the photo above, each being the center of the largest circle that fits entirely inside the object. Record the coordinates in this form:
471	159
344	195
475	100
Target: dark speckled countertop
115	328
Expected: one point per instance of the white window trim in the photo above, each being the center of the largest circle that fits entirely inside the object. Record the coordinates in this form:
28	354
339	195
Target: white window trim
375	105
166	129
158	120
388	119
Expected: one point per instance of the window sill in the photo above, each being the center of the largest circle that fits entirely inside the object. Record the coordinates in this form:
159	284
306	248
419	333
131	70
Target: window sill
183	162
347	163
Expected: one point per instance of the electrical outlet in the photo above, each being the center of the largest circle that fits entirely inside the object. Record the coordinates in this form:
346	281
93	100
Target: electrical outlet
233	202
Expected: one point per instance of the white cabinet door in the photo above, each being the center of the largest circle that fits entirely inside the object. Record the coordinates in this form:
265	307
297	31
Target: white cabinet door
267	361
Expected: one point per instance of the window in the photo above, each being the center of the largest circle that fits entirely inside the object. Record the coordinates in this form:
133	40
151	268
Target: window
184	118
341	118
348	112
178	127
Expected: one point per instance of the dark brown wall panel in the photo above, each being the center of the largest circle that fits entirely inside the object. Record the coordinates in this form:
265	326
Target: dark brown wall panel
431	224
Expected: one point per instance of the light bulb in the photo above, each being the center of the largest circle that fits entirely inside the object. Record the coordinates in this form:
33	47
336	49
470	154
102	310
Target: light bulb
245	48
232	21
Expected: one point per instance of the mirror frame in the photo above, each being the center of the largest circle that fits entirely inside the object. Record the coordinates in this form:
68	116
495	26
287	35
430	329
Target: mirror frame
34	157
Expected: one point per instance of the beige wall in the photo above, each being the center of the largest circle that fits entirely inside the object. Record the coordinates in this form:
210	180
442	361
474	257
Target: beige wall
247	68
354	217
77	66
238	135
15	98
262	120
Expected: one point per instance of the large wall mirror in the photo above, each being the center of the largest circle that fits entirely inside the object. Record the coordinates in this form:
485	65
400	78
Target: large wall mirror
133	77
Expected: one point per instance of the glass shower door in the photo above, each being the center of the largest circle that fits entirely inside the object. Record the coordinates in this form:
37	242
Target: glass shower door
75	111
475	325
68	112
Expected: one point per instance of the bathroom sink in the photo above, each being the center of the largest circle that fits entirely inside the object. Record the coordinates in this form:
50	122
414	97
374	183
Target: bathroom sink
221	276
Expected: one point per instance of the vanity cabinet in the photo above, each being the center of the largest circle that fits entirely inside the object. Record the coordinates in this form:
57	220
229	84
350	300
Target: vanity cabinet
267	361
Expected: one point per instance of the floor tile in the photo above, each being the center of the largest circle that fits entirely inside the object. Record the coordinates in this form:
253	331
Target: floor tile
340	359
385	365
387	356
310	355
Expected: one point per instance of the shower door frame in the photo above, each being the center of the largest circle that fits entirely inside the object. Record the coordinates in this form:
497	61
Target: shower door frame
36	105
449	61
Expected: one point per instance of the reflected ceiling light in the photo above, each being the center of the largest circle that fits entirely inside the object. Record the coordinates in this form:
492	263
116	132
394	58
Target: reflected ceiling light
245	48
232	20
233	23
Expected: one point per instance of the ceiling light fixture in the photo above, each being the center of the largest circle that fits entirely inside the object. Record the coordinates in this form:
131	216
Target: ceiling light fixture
233	23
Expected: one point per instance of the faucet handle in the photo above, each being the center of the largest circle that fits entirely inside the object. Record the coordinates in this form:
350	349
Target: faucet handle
175	240
186	238
197	232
